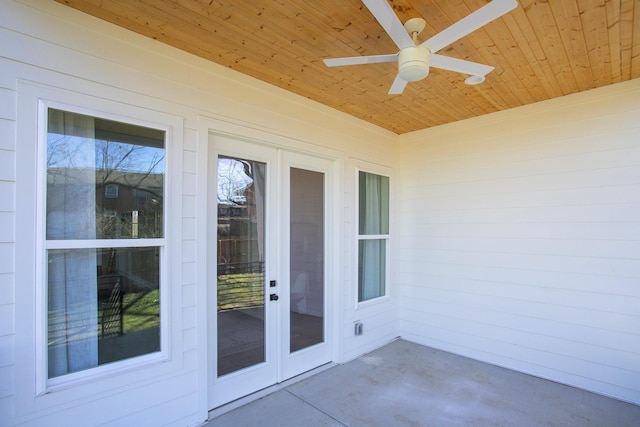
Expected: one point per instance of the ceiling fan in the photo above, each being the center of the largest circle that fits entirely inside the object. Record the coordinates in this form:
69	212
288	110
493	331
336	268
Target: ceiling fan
415	59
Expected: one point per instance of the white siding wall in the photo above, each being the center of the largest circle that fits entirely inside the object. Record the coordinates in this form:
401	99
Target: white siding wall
520	239
7	241
47	45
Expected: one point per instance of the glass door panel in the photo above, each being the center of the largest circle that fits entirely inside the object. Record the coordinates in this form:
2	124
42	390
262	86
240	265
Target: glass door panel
240	264
306	271
268	264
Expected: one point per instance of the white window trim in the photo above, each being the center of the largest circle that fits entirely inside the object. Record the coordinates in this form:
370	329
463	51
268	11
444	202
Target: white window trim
383	171
45	385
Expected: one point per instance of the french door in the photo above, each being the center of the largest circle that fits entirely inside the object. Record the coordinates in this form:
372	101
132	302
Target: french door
268	239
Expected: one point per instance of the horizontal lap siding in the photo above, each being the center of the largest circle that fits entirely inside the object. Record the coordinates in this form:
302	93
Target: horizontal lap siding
7	243
520	239
51	46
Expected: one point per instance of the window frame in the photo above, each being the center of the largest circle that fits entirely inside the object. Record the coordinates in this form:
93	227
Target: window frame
385	172
44	384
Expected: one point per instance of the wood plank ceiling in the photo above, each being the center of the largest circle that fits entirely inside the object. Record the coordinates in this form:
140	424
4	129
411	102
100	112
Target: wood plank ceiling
543	49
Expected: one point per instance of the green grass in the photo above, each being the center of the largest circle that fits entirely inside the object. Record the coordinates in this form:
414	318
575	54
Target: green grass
141	311
242	290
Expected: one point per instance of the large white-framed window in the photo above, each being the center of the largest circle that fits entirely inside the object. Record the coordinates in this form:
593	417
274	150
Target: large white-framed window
101	228
373	235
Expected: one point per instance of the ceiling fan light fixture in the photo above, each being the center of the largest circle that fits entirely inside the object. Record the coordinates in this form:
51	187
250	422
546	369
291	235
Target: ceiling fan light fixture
413	63
474	80
414	58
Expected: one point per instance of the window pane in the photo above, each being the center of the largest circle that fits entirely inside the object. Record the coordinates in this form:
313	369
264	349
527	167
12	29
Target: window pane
104	306
105	179
306	269
373	204
241	274
372	261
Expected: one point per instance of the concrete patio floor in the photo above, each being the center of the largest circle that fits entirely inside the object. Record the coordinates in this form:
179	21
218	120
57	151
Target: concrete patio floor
405	384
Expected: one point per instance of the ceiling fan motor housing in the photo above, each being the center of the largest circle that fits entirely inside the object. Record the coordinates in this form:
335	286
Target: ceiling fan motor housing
413	63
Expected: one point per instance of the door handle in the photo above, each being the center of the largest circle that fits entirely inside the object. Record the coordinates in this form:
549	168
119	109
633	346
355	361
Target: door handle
273	297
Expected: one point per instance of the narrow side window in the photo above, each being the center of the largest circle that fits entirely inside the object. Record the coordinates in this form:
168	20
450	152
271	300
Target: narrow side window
373	235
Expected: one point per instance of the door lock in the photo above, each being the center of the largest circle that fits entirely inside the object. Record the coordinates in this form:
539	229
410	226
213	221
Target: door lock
273	297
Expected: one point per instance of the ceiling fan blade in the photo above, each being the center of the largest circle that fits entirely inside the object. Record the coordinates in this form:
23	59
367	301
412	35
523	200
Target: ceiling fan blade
470	23
358	60
387	18
459	65
398	86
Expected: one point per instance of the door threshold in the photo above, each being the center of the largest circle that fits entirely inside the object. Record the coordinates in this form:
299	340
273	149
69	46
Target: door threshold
227	407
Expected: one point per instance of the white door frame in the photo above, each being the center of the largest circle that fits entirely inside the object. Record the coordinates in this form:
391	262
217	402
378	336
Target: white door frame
261	375
292	364
216	389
